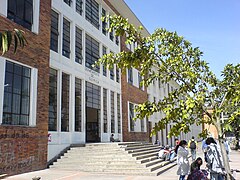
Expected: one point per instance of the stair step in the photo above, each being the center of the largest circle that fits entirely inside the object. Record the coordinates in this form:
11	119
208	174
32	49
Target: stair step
144	152
131	158
153	162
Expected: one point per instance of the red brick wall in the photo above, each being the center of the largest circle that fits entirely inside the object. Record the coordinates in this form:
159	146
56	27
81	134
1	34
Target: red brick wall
24	149
131	94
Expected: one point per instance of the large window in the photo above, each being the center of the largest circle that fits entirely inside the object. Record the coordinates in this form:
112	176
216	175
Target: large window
16	105
65	103
111	36
92	12
104	23
54	31
105	119
104	51
68	2
112	113
131	116
130	76
91	53
78	105
66	38
52	121
79	6
78	45
139	81
118	113
21	12
117	75
93	96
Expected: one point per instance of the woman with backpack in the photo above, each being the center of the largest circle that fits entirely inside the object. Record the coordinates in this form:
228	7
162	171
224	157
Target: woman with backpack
182	159
192	144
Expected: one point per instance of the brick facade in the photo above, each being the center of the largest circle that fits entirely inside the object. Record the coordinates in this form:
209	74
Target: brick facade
135	95
23	148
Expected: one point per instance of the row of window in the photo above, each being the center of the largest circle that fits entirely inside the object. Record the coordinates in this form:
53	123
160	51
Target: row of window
93	100
93	13
92	47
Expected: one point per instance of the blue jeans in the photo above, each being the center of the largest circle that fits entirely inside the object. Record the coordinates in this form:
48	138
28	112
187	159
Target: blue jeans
193	153
182	177
215	176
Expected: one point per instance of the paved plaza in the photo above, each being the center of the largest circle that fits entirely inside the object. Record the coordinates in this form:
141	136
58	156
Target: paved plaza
50	174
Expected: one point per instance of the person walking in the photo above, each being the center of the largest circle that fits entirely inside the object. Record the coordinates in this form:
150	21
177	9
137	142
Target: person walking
204	149
214	160
192	144
182	159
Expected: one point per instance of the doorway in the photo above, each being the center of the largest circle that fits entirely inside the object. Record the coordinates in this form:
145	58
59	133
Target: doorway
92	129
93	109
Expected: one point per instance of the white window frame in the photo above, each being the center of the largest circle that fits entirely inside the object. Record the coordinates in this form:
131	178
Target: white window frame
137	123
33	91
36	12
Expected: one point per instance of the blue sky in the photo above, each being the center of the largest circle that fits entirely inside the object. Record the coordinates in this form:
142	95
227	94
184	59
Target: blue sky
211	25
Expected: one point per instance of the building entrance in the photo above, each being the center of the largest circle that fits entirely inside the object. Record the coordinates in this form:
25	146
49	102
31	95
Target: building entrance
92	117
93	109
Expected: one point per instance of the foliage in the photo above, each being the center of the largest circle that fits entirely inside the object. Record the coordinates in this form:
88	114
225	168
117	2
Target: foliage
166	56
6	38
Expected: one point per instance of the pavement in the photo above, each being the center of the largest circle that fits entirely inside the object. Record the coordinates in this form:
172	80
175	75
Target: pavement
53	174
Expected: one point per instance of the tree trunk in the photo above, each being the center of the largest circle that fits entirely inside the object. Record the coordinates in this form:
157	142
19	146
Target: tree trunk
224	153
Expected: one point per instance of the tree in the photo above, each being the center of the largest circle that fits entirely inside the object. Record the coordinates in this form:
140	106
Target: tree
165	56
6	37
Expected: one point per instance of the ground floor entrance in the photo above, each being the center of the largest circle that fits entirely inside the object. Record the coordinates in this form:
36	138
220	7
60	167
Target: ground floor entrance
92	125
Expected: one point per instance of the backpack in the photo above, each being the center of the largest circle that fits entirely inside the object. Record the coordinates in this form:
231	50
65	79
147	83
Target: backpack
193	145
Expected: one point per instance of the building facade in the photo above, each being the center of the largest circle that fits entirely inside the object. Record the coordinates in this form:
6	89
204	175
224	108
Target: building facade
51	95
24	88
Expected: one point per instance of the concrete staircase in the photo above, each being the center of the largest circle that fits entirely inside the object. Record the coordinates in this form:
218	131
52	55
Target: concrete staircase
114	158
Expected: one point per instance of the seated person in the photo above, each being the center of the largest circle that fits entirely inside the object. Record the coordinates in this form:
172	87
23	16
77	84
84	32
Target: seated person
196	173
164	153
112	138
172	154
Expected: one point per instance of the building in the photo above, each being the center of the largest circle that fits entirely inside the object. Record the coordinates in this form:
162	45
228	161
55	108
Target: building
24	88
52	97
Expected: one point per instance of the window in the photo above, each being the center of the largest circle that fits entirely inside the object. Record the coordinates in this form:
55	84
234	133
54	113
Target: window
78	46
65	103
54	31
118	113
139	81
142	125
104	51
111	36
78	105
93	95
112	74
91	53
112	113
79	6
52	112
104	23
131	116
130	76
21	12
68	2
159	83
16	105
117	75
117	40
105	119
66	38
92	12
